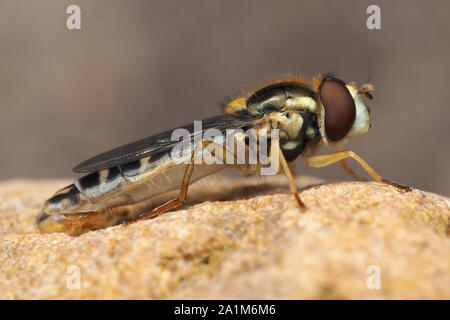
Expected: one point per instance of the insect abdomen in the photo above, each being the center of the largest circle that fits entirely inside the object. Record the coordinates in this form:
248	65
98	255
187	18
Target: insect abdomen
110	196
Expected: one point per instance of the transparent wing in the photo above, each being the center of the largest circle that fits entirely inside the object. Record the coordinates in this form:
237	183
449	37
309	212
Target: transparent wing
155	144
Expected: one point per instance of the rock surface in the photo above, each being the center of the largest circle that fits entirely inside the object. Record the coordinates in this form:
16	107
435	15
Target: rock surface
252	244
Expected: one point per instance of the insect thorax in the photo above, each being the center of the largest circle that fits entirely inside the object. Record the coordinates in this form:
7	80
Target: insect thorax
290	107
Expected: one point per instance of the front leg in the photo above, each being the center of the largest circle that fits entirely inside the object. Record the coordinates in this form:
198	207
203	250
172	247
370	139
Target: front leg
346	168
327	159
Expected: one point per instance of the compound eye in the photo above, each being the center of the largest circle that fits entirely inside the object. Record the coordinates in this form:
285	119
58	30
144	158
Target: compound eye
340	110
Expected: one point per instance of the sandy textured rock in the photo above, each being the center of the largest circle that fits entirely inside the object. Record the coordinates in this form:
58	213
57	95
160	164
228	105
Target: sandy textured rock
246	247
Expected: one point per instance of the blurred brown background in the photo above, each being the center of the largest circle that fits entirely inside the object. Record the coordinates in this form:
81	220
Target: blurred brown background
138	67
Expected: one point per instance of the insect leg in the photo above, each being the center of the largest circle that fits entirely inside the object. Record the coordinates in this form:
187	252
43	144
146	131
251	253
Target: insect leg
327	159
290	178
349	171
249	169
174	203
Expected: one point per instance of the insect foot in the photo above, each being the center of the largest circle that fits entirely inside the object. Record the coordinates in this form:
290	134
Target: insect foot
399	187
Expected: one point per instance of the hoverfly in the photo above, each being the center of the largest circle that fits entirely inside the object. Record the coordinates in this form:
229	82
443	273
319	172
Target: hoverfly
125	184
